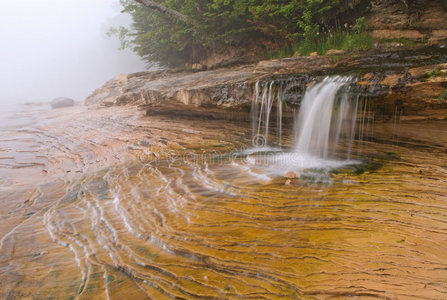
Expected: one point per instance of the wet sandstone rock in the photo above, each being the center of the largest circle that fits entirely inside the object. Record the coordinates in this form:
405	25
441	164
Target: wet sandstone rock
292	175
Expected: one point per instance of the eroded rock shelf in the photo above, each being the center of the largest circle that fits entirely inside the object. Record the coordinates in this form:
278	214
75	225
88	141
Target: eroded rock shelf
413	80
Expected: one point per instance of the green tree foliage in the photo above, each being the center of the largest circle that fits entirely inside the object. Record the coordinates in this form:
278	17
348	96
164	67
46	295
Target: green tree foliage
220	25
290	20
160	38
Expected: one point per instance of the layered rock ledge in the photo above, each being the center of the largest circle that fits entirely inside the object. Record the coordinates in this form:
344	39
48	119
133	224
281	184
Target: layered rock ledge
412	81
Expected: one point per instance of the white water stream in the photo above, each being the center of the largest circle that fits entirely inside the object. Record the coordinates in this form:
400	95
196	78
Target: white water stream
325	117
326	120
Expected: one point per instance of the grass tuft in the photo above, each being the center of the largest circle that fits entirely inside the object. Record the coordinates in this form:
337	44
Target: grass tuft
340	40
435	73
443	95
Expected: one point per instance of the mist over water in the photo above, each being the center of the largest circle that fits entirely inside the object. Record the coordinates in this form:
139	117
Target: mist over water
53	48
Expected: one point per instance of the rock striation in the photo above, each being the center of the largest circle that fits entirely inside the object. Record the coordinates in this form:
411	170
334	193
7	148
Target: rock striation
411	19
222	87
411	79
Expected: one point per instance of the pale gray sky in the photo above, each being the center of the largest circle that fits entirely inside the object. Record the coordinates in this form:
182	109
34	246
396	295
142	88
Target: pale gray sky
52	48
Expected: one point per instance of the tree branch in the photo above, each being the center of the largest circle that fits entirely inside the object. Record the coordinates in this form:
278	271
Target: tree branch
405	2
198	7
169	12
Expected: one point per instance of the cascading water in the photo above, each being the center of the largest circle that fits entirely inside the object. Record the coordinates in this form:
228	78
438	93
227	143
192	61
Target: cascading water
325	116
265	96
324	129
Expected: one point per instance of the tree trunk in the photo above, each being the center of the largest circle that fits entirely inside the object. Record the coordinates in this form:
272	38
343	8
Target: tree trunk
169	12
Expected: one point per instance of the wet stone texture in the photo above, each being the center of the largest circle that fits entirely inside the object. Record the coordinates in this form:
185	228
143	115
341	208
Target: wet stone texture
117	205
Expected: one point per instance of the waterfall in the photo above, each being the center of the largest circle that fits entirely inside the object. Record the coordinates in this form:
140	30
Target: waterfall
326	115
326	119
265	96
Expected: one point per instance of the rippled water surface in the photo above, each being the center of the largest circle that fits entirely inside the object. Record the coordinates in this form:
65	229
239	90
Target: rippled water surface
107	204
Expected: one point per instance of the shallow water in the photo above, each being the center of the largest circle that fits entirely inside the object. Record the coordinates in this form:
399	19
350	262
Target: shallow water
108	204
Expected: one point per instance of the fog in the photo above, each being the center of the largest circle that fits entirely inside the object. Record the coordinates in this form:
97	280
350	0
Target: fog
59	48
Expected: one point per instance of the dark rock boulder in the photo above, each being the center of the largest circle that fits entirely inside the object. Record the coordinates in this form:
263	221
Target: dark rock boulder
61	102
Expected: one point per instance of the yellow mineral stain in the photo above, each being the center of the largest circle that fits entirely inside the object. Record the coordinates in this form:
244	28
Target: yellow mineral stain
152	221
